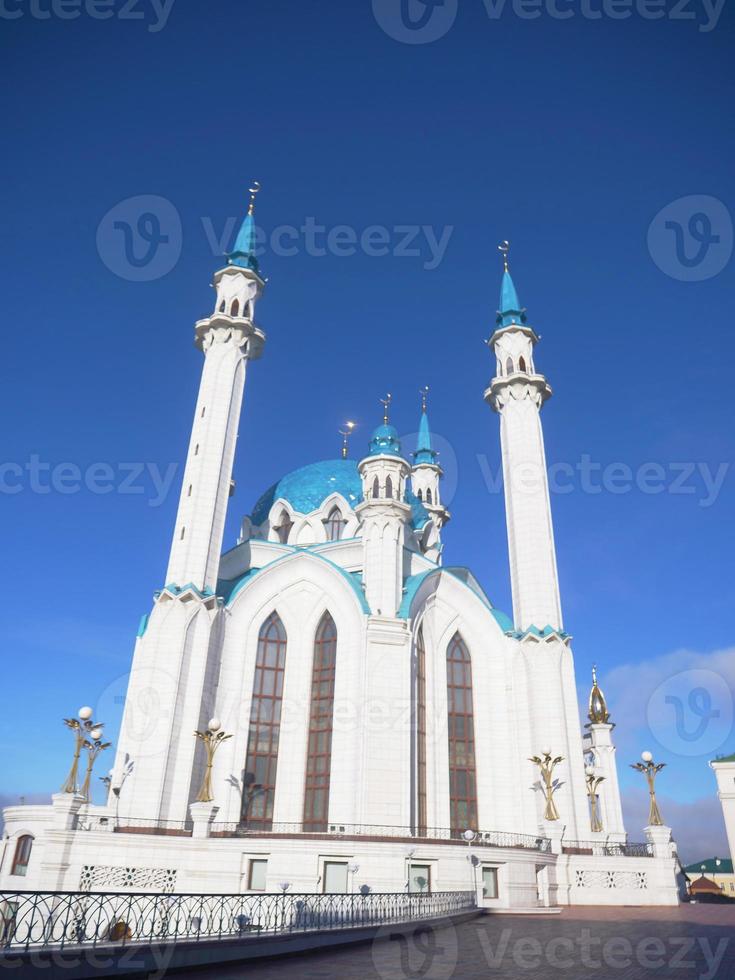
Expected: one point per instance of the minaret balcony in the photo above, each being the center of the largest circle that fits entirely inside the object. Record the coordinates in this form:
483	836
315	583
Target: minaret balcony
240	325
519	384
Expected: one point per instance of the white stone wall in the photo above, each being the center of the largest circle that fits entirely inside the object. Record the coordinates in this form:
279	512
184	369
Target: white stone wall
725	774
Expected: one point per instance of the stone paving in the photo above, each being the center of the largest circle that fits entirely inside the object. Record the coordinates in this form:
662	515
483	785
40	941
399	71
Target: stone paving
693	942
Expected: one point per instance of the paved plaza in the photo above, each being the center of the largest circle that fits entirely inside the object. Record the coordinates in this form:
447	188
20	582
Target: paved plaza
693	942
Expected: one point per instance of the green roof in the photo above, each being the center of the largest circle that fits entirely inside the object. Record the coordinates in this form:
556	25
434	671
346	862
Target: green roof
710	866
725	758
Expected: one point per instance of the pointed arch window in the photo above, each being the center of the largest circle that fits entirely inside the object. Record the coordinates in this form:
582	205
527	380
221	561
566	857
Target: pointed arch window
428	496
235	308
462	776
376	488
319	752
335	524
388	487
522	364
222	307
265	725
420	734
509	366
22	856
283	528
420	494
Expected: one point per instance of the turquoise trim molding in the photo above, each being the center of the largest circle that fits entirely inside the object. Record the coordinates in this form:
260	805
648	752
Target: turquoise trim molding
143	625
463	575
229	589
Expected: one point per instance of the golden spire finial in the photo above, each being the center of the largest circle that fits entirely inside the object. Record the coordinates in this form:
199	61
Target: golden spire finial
346	433
385	402
424	392
597	713
253	191
504	248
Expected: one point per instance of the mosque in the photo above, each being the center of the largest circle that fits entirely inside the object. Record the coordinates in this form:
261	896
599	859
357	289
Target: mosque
364	716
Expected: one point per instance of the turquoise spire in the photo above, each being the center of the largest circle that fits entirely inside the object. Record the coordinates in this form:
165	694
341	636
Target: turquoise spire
243	253
424	452
510	310
384	441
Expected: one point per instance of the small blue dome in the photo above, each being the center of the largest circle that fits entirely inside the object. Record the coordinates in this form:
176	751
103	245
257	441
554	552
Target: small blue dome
385	441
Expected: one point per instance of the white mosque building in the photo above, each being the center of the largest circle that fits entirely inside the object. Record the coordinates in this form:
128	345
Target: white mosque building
382	716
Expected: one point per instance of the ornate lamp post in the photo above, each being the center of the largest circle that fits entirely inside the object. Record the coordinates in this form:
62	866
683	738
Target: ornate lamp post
212	738
81	726
650	770
593	781
549	785
470	835
94	745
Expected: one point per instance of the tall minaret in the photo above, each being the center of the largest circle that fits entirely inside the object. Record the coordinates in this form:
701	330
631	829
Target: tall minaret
384	515
517	393
228	338
173	680
426	473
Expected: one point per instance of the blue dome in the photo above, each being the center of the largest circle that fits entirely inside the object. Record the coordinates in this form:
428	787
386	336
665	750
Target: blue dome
307	488
385	441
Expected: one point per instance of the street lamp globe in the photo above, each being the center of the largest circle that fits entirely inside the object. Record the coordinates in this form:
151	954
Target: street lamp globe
85	713
96	734
469	835
546	751
214	724
647	756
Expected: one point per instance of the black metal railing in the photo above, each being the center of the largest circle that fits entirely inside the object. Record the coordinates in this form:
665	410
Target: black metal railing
602	848
135	825
57	920
183	828
490	838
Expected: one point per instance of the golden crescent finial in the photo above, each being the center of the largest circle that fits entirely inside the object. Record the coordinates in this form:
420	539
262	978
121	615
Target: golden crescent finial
254	189
385	402
346	433
504	248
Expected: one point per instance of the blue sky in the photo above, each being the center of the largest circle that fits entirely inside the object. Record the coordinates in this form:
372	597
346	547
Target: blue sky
568	137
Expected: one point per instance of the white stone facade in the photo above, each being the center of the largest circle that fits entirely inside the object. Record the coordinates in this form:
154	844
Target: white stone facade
354	544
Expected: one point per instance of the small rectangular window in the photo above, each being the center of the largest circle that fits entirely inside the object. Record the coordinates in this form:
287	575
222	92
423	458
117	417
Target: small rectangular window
419	878
335	877
256	875
489	882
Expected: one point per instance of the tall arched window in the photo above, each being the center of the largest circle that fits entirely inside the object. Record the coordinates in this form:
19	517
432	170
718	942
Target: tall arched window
283	528
376	488
388	487
509	366
319	752
462	780
334	524
420	494
265	726
235	308
22	856
521	364
420	734
428	496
